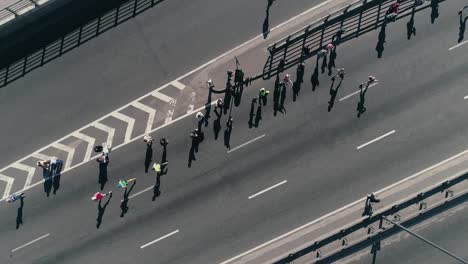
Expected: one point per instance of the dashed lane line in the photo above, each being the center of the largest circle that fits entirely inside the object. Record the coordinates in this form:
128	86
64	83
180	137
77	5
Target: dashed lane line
267	189
30	242
246	143
376	139
356	92
159	239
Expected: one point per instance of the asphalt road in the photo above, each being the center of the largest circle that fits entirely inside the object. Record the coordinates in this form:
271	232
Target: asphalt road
419	95
448	231
124	63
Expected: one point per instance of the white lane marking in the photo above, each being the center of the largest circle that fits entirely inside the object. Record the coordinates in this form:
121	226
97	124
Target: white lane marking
376	139
37	155
192	105
466	97
70	150
356	92
89	140
27	168
458	45
258	37
246	143
151	114
159	239
178	85
339	210
30	242
161	96
9	183
267	189
130	124
109	130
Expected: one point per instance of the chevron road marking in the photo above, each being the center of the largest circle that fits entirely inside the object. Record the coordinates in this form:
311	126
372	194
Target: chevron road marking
89	140
40	156
150	111
161	96
178	85
109	130
27	168
130	123
70	150
9	182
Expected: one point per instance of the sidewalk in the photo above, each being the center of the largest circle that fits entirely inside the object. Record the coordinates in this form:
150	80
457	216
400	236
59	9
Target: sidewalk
305	235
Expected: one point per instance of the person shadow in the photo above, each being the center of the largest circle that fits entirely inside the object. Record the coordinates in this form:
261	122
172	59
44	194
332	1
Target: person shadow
124	202
102	175
148	156
258	115
208	107
227	133
57	173
47	175
381	41
217	123
101	210
19	215
314	79
157	187
324	64
266	23
252	112
281	108
194	147
362	96
410	28
331	63
333	93
461	32
276	96
434	10
239	89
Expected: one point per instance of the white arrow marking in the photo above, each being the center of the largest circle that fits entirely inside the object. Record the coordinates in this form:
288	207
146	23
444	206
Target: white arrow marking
27	168
178	85
90	141
70	150
130	123
9	182
162	96
150	111
110	132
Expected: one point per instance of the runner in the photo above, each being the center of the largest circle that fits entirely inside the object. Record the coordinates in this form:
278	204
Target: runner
16	196
98	196
124	183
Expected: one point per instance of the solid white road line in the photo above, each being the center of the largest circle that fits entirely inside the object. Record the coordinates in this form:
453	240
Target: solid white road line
246	143
130	124
159	239
376	139
458	45
356	92
267	189
151	114
29	243
27	168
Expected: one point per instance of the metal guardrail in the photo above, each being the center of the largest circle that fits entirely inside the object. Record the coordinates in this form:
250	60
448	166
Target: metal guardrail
423	208
129	9
18	8
356	19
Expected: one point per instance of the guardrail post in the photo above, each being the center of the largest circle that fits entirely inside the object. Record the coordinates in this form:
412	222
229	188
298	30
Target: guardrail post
98	25
323	30
11	11
135	8
24	65
61	45
7	71
378	16
370	230
79	35
117	11
306	33
43	56
318	254
360	20
152	3
344	242
272	54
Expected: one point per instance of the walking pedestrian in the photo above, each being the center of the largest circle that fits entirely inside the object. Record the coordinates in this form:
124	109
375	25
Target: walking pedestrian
98	196
14	197
124	183
300	72
220	104
148	140
262	94
210	84
340	73
314	78
163	142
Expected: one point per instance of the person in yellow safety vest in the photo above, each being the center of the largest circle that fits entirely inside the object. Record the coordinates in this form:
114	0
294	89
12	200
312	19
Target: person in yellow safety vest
158	167
262	94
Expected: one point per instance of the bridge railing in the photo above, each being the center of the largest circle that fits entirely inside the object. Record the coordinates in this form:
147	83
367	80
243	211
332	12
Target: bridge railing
356	19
